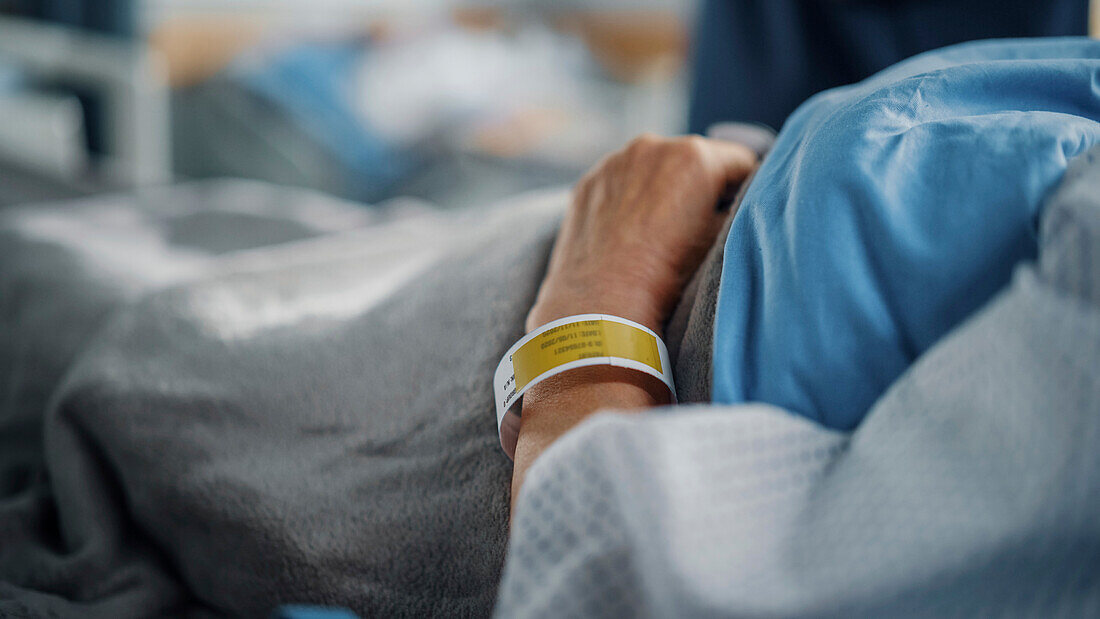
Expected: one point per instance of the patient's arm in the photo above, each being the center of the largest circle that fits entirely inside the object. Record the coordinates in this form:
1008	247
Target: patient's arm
640	224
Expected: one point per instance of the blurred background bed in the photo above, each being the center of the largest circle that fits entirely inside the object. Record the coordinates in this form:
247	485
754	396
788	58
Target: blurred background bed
455	102
458	102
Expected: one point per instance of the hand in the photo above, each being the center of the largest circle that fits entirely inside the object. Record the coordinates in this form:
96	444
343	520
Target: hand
640	224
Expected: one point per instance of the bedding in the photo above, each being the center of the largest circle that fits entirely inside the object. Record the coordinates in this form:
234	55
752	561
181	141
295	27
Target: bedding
244	409
303	422
972	488
152	464
65	267
888	212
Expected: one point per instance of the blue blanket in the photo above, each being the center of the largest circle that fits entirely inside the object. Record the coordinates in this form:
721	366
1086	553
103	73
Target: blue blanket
888	212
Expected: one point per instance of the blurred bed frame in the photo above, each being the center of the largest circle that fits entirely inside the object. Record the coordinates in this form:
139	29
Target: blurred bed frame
44	123
44	151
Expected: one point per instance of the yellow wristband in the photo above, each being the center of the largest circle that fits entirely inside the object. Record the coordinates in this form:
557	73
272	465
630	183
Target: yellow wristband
568	343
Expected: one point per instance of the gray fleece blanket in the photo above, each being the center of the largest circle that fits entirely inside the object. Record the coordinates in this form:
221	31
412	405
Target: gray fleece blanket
212	404
188	428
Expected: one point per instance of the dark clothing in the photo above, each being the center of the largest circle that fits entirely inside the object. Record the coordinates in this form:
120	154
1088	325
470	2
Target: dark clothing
757	60
115	17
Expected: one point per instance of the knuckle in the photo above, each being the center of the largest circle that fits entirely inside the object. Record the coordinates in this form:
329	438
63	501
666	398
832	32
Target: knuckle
694	145
688	151
694	140
643	141
584	185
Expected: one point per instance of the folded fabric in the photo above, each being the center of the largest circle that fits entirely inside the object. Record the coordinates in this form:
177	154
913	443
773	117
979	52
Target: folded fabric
65	267
888	212
309	422
68	544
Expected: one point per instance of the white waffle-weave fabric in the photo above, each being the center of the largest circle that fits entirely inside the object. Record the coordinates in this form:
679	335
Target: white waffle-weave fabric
972	488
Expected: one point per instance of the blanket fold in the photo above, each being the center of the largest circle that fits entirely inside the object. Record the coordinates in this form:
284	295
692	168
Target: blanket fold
306	422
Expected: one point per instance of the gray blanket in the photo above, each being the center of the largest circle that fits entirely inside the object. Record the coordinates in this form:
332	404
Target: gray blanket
191	429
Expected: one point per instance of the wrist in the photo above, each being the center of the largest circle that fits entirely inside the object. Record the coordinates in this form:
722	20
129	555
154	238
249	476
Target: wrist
583	390
539	316
631	306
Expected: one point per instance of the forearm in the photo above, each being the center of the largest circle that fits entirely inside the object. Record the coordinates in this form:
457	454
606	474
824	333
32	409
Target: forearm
556	405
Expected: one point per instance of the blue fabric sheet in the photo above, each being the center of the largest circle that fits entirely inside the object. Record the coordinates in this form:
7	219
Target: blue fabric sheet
310	83
888	212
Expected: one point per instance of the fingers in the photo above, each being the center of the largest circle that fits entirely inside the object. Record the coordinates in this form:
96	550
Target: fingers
733	162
